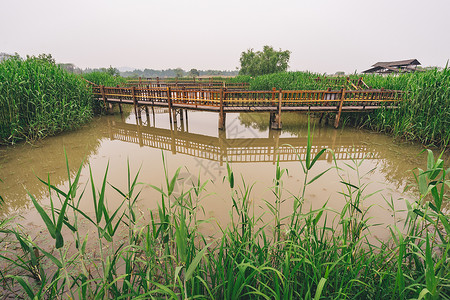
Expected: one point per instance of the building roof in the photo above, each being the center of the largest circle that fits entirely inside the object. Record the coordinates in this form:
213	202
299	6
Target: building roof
393	66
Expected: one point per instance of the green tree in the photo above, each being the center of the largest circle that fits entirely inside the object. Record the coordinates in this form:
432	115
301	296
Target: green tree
194	73
112	71
43	58
179	72
264	62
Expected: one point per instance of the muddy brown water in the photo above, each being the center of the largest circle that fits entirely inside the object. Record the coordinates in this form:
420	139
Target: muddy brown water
196	145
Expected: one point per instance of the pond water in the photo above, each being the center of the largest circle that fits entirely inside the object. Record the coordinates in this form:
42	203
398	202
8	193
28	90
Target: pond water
196	145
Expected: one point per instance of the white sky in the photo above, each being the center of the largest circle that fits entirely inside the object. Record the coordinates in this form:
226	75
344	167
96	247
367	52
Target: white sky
323	35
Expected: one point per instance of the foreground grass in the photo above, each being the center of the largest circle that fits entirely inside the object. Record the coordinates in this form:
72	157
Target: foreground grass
307	254
39	98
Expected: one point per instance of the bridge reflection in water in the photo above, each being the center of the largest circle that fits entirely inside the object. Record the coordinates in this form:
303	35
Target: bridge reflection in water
237	150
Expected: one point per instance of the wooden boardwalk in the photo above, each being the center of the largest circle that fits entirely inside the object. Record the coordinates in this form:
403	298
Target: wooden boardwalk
237	150
225	100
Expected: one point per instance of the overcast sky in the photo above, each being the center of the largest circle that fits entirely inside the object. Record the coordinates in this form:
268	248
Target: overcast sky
323	35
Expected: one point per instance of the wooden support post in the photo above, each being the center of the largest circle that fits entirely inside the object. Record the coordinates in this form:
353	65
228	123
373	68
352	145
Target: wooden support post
181	115
133	94
223	146
139	85
276	124
120	99
276	137
338	116
174	112
147	114
187	124
157	82
139	133
169	103
221	111
173	144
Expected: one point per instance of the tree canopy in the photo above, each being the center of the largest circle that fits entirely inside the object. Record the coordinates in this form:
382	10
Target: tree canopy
264	62
194	73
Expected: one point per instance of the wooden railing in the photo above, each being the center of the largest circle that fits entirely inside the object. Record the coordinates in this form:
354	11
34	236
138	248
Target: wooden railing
273	101
256	99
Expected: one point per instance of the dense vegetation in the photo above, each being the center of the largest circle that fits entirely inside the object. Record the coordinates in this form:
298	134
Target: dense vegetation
104	78
267	61
320	254
38	98
424	117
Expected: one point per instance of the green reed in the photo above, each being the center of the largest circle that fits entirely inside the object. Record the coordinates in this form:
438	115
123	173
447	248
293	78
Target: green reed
38	98
295	81
308	254
424	116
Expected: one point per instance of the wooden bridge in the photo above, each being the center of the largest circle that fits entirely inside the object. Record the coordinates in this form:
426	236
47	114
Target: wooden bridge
224	101
237	150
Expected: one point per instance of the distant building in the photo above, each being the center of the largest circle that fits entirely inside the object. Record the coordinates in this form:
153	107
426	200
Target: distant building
394	67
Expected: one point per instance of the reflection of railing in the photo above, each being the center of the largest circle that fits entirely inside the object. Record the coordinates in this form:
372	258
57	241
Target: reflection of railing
237	150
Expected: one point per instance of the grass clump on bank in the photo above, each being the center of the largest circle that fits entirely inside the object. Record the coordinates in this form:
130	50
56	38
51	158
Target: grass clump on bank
308	254
39	98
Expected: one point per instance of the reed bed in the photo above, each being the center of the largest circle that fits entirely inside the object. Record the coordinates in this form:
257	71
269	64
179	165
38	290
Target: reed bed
38	98
423	117
294	81
309	254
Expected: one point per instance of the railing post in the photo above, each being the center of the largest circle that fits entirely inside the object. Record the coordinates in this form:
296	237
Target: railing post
338	116
169	103
221	111
102	91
